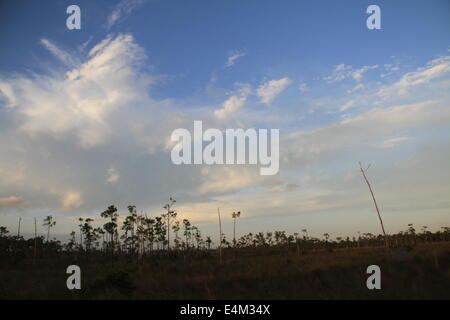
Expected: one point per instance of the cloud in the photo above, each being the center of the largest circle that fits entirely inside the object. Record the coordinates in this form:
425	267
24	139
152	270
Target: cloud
279	185
306	147
233	103
269	90
63	56
11	201
433	70
113	175
348	105
123	9
233	57
340	72
393	142
72	200
61	129
343	71
390	69
303	87
355	88
358	73
227	179
82	100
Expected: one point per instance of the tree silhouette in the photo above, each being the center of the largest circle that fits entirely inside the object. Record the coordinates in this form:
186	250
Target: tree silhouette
111	226
170	214
176	229
187	232
208	242
49	223
235	215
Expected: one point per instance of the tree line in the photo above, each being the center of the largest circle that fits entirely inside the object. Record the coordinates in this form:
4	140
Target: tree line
139	236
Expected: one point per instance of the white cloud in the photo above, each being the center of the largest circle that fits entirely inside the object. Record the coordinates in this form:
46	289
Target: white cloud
433	70
227	179
62	128
81	101
113	175
358	73
343	71
233	103
269	90
72	200
363	129
63	56
339	73
348	105
355	88
393	142
121	11
233	57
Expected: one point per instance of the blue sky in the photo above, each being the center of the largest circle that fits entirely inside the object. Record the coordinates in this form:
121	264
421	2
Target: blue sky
338	92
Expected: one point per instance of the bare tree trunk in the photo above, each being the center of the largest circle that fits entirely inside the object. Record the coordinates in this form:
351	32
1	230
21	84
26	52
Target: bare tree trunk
168	229
220	236
35	241
363	171
234	239
18	229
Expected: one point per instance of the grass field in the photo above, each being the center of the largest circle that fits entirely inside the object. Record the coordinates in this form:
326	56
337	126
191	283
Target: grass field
421	272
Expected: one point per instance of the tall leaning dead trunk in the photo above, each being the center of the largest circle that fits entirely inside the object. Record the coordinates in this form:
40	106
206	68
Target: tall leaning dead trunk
363	171
220	236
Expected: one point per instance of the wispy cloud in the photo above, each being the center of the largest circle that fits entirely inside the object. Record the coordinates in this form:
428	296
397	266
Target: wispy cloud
233	57
268	91
62	55
433	70
340	72
393	142
303	87
123	9
358	73
349	104
233	103
113	175
344	71
367	127
11	201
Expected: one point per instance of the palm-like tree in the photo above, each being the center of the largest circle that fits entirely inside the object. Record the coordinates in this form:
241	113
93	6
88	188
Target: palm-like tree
187	231
208	242
89	235
235	215
49	223
111	226
170	214
176	229
305	236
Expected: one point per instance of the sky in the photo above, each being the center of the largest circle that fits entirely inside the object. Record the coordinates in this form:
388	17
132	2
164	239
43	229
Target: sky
86	115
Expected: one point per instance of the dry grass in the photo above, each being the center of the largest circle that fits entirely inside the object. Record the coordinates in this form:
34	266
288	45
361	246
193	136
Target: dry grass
422	272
